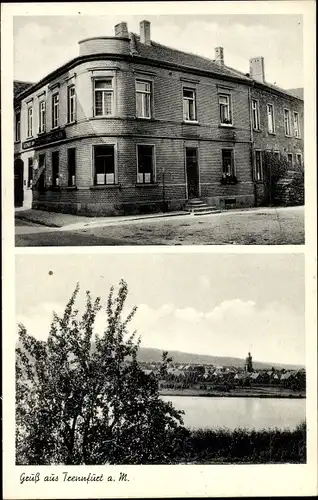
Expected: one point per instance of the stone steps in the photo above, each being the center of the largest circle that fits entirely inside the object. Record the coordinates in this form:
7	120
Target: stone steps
198	207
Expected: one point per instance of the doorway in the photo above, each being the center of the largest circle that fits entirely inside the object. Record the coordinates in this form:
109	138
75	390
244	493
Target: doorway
18	183
192	172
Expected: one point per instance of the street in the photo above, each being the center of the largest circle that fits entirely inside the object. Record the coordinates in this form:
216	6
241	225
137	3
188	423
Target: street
263	226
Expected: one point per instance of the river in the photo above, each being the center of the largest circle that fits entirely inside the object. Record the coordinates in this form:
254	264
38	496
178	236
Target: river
257	413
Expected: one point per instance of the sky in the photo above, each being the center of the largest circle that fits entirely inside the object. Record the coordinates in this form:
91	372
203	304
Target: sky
43	43
216	304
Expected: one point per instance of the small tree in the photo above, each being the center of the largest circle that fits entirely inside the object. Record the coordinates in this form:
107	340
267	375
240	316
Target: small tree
83	398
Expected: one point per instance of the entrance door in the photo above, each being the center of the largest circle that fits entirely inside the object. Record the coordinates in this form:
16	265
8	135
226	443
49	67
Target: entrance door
192	172
18	183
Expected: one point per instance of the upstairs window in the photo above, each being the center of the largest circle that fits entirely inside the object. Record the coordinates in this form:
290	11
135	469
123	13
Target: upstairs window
145	164
71	104
255	114
41	117
287	122
30	121
143	99
104	163
227	164
270	119
189	105
258	166
225	109
55	110
296	125
17	133
103	97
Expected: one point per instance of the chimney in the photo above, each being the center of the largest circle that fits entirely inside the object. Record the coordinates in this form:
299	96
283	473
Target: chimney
257	71
219	57
145	32
121	30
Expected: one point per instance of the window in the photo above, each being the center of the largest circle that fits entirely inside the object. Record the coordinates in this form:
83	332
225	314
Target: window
145	164
270	119
104	161
143	99
41	117
71	102
55	169
227	163
30	172
189	105
71	166
30	121
41	174
55	110
258	166
225	109
255	114
296	125
103	97
290	159
299	159
17	126
287	121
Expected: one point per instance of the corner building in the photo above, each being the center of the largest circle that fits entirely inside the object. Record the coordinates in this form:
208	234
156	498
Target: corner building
133	126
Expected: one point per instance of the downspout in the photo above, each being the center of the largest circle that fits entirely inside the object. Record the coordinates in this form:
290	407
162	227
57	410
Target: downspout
252	143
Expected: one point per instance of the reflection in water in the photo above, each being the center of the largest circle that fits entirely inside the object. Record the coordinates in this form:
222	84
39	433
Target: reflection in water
257	413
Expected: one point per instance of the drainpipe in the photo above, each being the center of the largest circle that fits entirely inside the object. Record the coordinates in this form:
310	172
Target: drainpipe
252	143
163	190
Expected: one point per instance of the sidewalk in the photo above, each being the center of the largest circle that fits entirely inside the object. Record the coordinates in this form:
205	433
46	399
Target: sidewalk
68	222
72	222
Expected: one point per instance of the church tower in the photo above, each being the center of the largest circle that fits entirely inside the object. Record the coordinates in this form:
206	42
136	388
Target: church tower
249	363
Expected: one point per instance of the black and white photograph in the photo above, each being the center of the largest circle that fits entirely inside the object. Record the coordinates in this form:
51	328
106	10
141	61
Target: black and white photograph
204	364
165	130
159	249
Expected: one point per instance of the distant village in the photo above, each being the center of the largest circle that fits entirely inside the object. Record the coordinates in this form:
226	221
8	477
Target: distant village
225	378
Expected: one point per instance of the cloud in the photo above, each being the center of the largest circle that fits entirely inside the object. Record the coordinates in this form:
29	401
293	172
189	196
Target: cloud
273	333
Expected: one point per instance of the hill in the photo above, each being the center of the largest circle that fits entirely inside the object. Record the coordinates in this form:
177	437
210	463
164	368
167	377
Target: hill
148	355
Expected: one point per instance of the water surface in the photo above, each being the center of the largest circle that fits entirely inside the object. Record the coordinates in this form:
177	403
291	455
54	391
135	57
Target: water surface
257	413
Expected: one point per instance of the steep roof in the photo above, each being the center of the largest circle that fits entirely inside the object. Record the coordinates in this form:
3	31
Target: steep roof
166	54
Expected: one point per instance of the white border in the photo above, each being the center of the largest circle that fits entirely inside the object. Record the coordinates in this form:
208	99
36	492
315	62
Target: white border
159	481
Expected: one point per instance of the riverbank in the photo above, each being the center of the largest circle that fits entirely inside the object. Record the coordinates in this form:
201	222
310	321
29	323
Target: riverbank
244	447
236	393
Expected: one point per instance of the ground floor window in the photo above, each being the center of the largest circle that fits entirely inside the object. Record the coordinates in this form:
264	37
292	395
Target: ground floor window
30	173
290	159
258	166
55	169
228	170
71	166
104	165
299	159
41	175
145	164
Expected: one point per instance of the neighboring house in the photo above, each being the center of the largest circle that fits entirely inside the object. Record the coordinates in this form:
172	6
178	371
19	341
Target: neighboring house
277	120
22	187
131	125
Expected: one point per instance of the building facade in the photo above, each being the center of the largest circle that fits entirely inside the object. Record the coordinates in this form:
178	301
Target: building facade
133	126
